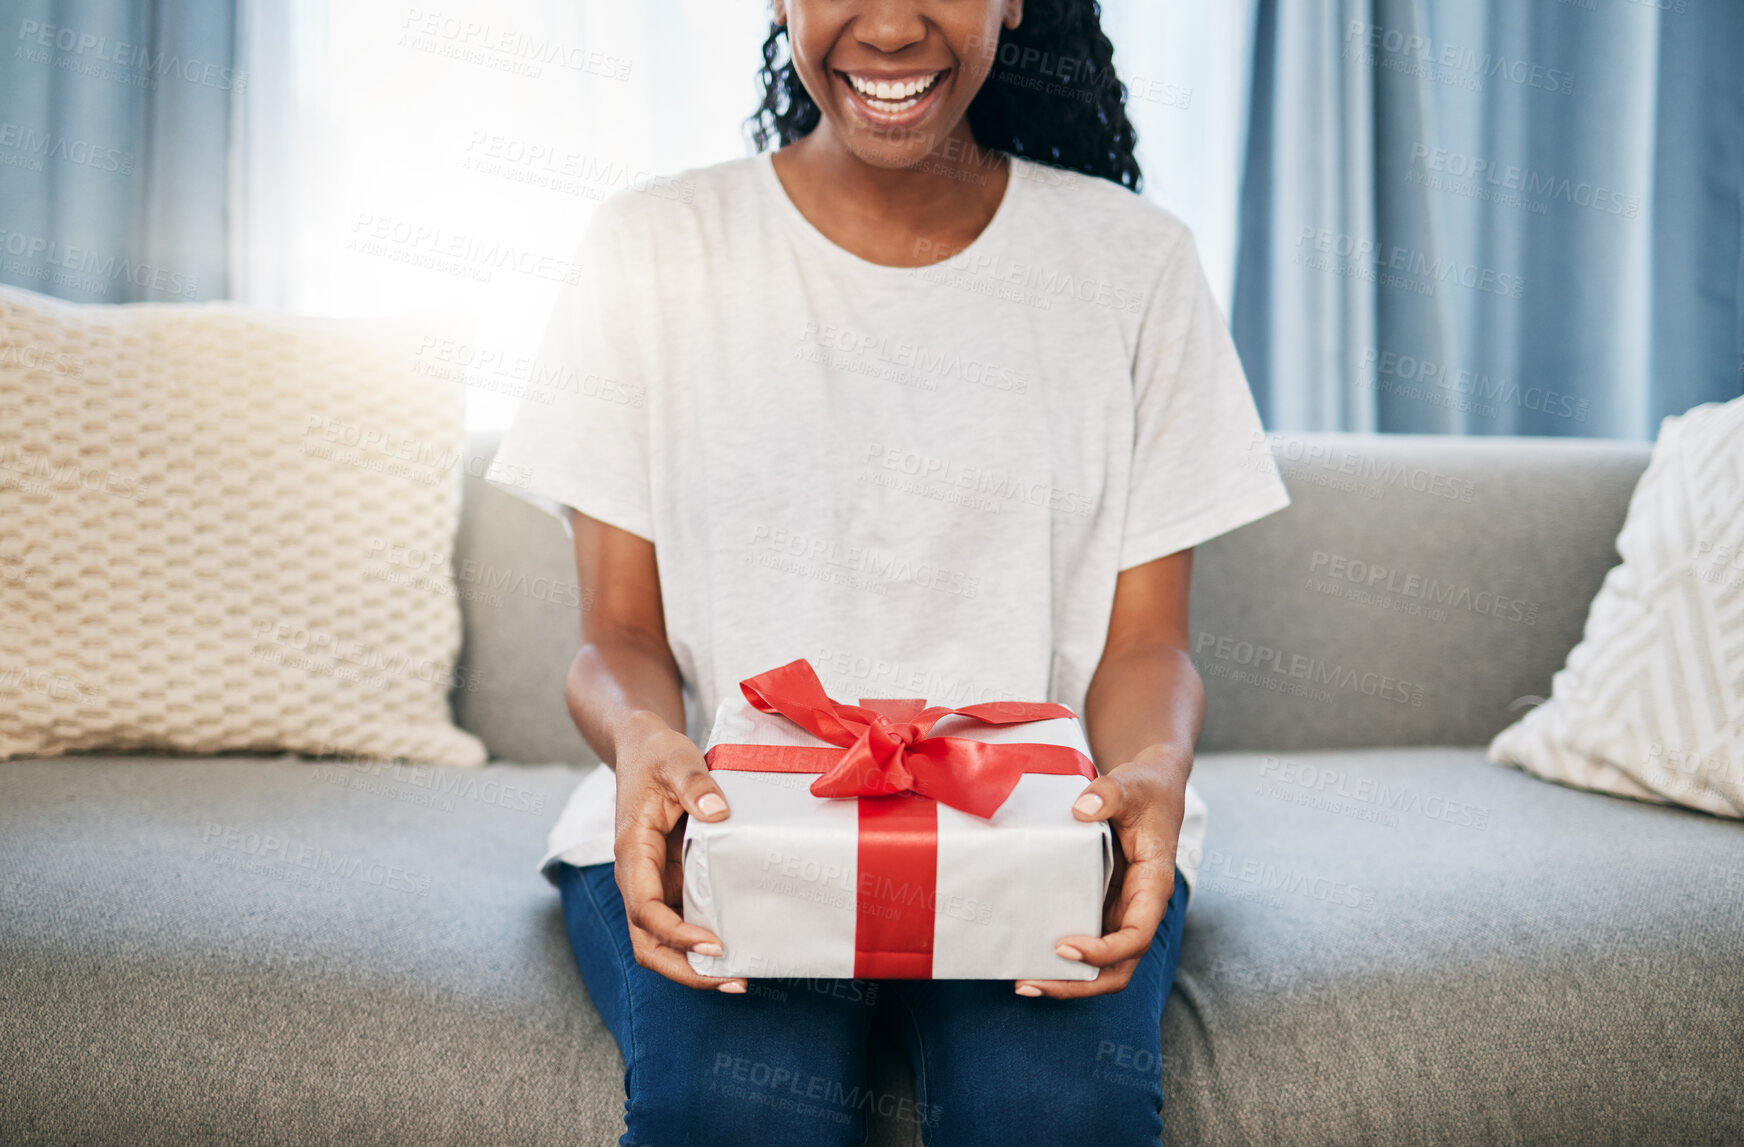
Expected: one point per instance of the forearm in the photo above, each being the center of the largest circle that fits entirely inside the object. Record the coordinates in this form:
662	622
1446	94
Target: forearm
1145	703
622	685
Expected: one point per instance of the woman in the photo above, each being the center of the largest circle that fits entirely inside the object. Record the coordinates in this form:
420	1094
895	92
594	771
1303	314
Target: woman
947	422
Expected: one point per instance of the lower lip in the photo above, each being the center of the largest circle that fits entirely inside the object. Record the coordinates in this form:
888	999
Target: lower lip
907	117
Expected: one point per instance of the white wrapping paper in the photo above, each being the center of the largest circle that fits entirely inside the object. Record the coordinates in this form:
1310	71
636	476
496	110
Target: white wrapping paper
778	880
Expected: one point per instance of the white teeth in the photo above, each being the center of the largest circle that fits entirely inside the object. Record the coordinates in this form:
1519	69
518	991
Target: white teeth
893	97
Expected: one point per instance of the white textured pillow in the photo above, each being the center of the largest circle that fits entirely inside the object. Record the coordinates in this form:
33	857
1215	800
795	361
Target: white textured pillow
199	508
1651	702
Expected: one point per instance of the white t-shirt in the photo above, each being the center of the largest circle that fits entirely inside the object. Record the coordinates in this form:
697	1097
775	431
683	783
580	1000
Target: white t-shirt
922	480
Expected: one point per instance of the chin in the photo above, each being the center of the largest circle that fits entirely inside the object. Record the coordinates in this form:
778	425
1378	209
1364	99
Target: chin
876	153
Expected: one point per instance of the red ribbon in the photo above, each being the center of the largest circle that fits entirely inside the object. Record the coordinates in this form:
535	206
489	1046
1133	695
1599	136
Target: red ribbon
890	748
901	773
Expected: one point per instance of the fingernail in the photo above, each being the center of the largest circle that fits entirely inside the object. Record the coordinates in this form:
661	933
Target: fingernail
733	988
1089	804
710	804
707	949
1028	990
1068	952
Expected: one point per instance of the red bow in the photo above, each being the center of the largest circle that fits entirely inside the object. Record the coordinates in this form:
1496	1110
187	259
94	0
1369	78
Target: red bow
891	749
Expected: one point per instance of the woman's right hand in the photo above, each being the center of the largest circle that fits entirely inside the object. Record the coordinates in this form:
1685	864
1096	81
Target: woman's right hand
661	778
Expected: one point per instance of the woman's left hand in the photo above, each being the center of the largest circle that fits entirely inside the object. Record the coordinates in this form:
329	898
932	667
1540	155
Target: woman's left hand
1144	802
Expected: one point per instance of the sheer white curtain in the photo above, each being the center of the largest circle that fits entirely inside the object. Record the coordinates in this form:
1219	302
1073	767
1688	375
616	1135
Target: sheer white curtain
1188	66
393	156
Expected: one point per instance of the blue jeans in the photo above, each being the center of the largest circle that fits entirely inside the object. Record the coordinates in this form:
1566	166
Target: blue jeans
785	1063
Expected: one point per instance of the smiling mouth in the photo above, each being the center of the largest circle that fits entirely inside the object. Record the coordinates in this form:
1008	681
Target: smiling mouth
892	98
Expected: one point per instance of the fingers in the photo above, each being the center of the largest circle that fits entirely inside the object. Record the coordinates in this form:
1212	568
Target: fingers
1101	799
1116	955
675	966
1130	798
641	871
697	792
1144	898
669	765
669	780
685	775
672	882
1107	982
660	937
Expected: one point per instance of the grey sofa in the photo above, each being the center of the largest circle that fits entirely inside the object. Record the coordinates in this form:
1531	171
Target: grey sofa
1395	942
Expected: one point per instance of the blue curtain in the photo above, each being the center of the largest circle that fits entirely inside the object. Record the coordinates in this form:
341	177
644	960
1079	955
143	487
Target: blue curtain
1493	216
114	143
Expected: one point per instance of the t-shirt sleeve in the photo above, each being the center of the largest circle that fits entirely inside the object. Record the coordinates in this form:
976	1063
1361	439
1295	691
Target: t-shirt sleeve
579	437
1200	464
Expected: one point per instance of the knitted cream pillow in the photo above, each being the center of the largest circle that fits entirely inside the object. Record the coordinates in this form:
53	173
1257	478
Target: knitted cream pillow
199	508
1651	702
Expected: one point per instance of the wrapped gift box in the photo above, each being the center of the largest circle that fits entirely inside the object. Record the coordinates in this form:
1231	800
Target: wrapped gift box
887	840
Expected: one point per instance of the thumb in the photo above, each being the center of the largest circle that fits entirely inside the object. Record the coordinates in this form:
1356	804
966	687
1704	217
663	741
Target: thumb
1100	800
697	792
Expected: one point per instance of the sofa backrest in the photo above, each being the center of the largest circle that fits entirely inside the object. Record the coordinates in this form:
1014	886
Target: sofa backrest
1419	590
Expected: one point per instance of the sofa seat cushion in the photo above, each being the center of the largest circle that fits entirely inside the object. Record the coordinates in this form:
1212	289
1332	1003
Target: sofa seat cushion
213	949
391	970
1416	946
1373	967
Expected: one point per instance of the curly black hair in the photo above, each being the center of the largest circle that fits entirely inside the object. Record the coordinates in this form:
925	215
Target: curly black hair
1052	95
